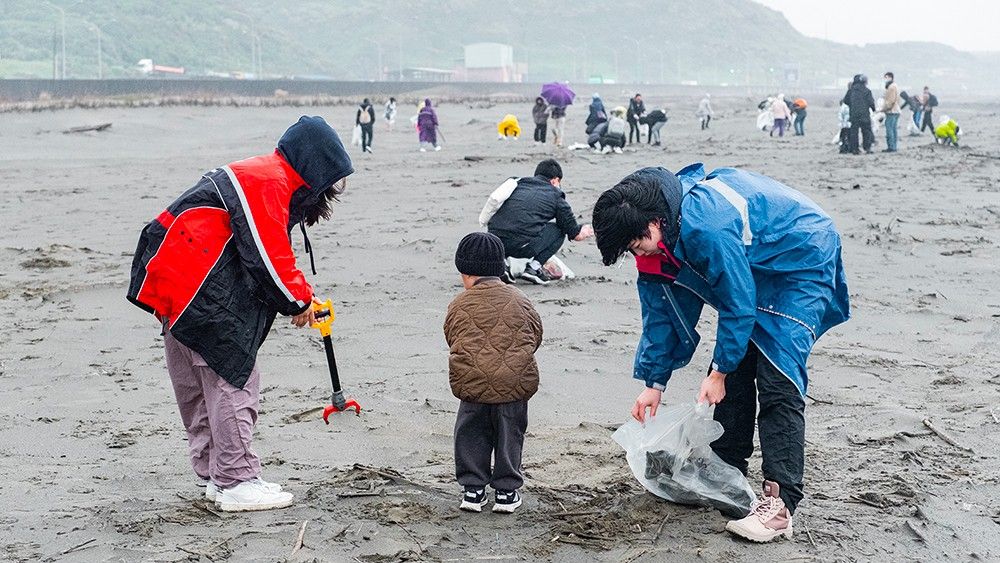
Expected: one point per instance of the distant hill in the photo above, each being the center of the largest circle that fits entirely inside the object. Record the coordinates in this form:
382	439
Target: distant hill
703	41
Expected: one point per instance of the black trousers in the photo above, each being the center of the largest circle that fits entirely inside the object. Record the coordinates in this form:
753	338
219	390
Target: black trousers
483	431
633	126
540	130
543	247
781	424
367	130
868	138
928	121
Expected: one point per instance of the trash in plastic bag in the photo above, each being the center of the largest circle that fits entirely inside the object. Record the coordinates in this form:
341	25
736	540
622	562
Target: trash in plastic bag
671	457
356	135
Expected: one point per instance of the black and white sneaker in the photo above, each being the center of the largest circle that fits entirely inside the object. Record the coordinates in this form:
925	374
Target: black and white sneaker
536	275
474	500
505	276
506	502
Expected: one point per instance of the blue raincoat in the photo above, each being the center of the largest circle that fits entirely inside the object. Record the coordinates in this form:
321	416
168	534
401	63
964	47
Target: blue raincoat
764	256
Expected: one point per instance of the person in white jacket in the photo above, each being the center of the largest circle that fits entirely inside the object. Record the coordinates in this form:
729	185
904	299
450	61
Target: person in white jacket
705	112
781	115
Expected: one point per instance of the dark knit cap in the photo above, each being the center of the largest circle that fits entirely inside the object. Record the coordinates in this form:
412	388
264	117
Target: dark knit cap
480	254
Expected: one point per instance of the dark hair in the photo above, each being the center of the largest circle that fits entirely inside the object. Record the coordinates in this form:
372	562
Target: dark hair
322	209
549	169
623	214
391	99
890	75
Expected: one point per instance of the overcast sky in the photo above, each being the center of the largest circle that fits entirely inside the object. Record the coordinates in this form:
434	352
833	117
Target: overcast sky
969	25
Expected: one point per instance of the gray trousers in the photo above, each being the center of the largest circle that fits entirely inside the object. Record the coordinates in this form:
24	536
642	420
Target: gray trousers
483	431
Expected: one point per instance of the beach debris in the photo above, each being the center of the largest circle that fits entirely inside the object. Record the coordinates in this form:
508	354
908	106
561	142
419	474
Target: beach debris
86	128
301	536
941	434
473	158
918	535
44	263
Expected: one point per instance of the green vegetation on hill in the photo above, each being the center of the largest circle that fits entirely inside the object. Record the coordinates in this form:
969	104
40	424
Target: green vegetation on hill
703	41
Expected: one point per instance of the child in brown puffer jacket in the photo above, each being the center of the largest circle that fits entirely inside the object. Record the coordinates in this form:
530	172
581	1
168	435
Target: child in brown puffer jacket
493	332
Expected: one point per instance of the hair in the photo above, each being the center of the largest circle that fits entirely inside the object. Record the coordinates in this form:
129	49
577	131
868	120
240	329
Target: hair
623	214
322	209
890	75
391	99
539	100
549	169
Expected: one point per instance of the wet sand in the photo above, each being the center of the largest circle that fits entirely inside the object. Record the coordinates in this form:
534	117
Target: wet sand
93	455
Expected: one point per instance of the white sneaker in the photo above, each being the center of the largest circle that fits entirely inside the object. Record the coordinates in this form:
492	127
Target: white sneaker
422	149
212	490
437	148
618	150
252	495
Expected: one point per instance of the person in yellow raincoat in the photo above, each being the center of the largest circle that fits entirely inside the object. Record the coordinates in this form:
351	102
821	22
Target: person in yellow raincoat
508	127
947	132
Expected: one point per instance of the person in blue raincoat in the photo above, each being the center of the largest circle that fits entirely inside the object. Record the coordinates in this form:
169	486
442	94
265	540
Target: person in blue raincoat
769	261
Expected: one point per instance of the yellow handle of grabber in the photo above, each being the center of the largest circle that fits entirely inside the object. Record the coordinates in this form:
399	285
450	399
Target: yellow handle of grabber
324	311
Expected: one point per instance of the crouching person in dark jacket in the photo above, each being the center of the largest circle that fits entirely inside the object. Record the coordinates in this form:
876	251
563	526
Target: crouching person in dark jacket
769	261
492	332
535	219
215	268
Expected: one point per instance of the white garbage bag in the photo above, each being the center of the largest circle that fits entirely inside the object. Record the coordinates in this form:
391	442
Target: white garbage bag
672	458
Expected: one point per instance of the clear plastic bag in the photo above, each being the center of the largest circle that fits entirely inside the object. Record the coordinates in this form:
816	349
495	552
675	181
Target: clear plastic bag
356	135
671	457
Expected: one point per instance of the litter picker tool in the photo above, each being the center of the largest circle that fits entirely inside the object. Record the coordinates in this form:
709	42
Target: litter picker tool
324	323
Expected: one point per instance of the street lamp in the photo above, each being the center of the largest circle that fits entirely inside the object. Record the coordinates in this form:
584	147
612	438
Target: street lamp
62	32
638	59
100	52
378	75
254	45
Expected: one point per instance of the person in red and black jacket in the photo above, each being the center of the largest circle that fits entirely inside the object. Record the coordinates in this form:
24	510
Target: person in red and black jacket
215	268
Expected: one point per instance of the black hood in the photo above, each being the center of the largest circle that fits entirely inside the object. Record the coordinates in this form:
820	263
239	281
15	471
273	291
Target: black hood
315	152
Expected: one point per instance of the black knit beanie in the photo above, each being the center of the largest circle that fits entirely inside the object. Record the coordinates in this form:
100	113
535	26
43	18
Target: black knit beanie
480	254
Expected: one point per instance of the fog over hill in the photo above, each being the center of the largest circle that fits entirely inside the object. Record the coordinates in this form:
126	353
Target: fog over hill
704	41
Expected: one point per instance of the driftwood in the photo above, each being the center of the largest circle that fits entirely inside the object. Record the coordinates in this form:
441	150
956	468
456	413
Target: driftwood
301	536
940	434
85	128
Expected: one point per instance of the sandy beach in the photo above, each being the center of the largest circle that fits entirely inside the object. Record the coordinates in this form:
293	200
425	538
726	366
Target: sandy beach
93	454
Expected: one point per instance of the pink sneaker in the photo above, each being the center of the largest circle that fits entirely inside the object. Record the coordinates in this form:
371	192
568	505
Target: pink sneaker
768	518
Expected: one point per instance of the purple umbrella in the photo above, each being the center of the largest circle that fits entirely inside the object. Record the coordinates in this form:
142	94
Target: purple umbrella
557	94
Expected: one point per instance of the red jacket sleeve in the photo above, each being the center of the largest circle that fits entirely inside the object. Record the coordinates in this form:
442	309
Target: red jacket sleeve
259	219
